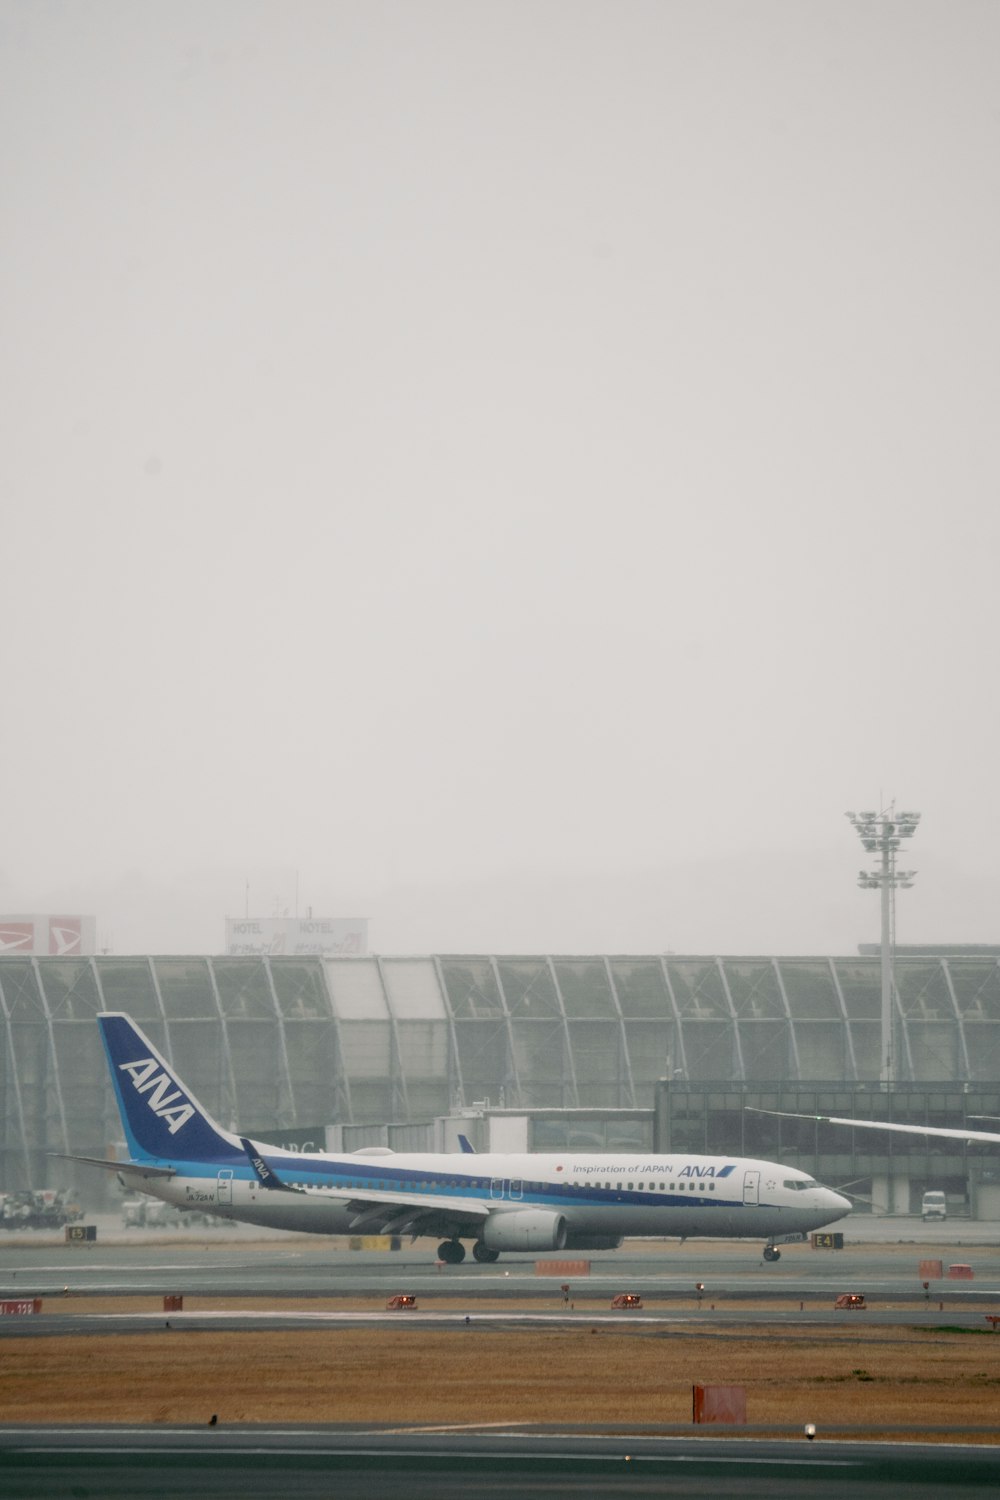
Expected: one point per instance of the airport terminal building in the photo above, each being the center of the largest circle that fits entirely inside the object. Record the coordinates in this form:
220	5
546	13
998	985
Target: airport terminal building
540	1052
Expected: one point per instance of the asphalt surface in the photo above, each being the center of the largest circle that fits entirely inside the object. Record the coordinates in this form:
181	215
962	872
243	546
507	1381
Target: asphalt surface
881	1259
372	1464
696	1281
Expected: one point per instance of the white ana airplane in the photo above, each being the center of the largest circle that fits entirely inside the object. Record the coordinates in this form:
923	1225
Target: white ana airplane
536	1202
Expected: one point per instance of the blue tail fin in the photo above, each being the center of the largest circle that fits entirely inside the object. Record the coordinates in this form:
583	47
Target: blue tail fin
163	1121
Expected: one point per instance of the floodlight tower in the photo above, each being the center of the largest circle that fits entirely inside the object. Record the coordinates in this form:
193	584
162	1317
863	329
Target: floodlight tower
883	833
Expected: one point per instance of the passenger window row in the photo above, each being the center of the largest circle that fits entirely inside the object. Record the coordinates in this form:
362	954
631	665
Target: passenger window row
532	1187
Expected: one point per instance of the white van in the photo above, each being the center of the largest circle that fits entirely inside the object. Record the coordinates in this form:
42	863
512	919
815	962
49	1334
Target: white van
933	1206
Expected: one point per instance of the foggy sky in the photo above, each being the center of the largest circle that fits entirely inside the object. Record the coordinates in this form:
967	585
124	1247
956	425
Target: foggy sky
516	470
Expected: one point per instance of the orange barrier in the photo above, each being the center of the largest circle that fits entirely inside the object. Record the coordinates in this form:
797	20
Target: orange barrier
931	1270
173	1302
959	1273
719	1403
562	1267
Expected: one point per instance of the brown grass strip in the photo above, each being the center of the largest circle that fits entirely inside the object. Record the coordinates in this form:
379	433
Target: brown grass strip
897	1377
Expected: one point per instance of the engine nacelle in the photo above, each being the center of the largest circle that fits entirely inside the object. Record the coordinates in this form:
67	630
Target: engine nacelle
593	1241
524	1229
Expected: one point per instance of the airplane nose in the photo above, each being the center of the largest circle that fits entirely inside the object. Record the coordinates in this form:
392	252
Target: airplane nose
838	1204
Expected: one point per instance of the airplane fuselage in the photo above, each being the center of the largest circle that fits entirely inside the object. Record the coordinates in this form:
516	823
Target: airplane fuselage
639	1195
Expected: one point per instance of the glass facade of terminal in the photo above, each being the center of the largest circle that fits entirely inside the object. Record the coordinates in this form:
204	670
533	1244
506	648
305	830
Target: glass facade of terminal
279	1044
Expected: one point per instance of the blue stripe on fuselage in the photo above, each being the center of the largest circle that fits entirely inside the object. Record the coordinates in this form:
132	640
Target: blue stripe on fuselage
346	1178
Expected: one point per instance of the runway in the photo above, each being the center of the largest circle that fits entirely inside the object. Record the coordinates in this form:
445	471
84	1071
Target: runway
696	1282
300	1282
379	1464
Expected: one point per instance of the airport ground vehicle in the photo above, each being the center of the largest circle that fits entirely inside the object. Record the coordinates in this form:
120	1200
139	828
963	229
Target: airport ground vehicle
933	1206
39	1208
153	1213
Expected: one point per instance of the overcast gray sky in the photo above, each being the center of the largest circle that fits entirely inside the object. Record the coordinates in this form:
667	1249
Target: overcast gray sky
514	471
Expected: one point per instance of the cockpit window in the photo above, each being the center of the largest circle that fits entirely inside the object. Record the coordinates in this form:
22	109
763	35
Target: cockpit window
798	1184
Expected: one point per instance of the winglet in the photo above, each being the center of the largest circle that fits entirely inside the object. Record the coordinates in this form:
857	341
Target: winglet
266	1176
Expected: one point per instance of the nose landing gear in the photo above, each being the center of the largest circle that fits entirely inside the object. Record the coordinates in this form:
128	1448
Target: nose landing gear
771	1252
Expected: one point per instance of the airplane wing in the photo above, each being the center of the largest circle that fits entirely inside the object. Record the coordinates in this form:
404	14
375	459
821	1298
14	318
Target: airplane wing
378	1211
992	1136
405	1213
131	1169
428	1216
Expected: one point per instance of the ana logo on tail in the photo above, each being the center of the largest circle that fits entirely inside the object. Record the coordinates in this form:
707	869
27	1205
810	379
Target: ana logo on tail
148	1078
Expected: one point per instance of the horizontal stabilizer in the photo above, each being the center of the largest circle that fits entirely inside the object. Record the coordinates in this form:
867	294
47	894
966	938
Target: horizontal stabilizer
133	1168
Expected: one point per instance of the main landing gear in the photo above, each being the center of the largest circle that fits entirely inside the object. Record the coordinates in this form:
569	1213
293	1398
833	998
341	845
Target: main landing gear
771	1252
452	1252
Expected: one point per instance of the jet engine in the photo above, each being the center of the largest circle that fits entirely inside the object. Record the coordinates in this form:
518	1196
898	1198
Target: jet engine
524	1229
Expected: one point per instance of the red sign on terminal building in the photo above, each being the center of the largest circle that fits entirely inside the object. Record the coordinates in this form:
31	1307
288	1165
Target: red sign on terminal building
16	937
65	936
44	936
